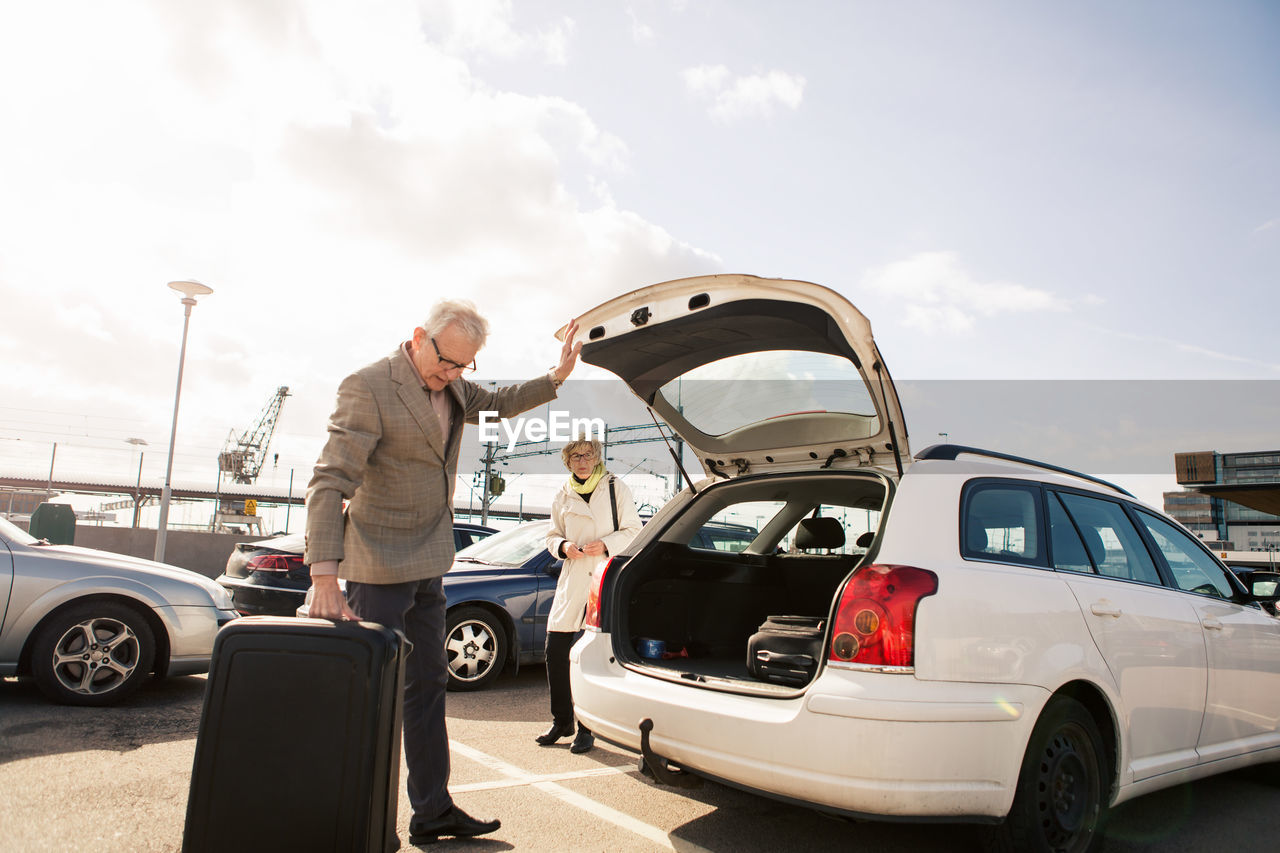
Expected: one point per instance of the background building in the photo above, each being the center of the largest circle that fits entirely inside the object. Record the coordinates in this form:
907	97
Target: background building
1231	500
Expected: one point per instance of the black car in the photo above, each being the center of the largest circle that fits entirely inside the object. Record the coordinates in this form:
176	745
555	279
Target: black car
1245	572
268	577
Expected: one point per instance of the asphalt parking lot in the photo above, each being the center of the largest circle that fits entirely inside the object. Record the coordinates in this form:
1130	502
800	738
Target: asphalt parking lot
116	779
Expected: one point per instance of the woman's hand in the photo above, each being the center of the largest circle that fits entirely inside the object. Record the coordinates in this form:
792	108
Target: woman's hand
594	549
573	552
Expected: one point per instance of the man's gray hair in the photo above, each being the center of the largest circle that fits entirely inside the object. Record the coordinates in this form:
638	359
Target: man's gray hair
462	313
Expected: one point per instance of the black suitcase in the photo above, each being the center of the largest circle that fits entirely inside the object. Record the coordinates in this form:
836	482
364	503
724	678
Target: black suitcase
786	649
299	742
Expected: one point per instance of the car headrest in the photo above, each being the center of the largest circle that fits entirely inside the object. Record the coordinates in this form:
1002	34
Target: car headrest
1067	549
819	532
976	537
865	540
1093	541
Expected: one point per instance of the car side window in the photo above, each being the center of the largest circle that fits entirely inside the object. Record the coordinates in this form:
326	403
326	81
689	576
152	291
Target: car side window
736	526
732	539
1069	551
1002	522
1110	539
1193	569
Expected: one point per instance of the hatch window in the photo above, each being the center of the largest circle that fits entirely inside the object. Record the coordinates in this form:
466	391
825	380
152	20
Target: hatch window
732	392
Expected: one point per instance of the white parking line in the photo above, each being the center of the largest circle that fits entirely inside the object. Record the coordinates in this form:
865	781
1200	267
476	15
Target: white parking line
513	782
544	783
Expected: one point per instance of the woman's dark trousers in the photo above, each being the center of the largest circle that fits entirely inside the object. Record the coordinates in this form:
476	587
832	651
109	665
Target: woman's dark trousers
558	645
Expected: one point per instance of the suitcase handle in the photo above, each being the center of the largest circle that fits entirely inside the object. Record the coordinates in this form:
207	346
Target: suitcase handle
802	661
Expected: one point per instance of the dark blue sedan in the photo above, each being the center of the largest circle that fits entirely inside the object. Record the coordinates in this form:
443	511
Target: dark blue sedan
498	594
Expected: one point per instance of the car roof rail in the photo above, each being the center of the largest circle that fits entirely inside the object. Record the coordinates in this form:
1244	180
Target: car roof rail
951	451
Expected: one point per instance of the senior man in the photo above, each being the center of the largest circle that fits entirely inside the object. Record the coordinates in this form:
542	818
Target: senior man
392	452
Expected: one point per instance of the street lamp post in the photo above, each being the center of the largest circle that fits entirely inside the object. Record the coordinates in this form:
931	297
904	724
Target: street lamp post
943	436
189	290
137	489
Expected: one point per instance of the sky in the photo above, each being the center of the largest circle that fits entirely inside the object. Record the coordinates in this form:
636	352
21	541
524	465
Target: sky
1008	190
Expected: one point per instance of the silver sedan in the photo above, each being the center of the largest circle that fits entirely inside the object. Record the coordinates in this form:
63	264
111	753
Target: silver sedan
90	626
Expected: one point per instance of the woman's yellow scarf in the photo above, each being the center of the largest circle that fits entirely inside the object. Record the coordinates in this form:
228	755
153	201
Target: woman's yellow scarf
589	486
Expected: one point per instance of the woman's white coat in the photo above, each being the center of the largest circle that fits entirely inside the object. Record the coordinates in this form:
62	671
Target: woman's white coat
577	521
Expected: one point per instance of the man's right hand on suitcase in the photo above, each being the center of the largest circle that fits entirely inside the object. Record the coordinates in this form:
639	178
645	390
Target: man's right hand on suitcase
328	602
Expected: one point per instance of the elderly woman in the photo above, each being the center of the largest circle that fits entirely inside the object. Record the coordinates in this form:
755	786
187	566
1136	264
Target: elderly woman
592	516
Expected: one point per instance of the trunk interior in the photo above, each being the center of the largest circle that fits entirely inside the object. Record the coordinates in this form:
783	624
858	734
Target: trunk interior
704	606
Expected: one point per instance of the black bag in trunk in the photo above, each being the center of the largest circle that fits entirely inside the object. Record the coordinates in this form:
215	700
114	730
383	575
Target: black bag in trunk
786	649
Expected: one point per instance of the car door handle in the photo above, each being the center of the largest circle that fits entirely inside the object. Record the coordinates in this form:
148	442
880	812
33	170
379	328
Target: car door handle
1211	624
1105	608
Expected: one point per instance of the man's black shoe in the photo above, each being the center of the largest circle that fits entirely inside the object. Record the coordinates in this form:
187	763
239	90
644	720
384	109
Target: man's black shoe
455	822
583	742
554	734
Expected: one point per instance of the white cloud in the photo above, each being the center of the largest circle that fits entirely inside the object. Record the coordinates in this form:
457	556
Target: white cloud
640	31
1266	226
936	293
487	27
1194	349
742	97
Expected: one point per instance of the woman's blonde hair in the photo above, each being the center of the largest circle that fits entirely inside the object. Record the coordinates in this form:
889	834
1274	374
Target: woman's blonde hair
580	445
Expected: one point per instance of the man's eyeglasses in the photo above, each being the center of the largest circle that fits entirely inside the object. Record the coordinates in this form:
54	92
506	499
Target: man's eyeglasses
453	365
581	457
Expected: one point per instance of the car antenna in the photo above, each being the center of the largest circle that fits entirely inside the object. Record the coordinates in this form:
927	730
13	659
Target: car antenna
671	450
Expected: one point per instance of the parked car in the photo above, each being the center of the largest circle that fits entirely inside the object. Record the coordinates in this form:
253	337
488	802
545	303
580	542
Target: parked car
1005	642
268	577
91	626
498	595
1245	573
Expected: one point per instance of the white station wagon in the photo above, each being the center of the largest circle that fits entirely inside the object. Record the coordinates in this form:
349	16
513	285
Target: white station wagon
965	635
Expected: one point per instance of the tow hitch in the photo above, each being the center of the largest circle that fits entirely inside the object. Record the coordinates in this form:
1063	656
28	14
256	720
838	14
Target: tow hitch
658	768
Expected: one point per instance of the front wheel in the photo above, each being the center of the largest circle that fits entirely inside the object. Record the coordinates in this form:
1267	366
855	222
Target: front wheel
1060	804
475	647
95	653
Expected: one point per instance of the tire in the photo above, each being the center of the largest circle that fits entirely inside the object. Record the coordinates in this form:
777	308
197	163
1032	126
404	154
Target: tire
1060	803
475	647
94	653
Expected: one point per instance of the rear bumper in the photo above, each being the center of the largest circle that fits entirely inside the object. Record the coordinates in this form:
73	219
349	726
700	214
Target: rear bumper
875	744
255	599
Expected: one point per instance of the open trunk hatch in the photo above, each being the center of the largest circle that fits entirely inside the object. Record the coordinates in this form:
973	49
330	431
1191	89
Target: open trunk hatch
754	374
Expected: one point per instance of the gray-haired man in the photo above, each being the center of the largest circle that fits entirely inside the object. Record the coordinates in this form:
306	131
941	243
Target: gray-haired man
392	452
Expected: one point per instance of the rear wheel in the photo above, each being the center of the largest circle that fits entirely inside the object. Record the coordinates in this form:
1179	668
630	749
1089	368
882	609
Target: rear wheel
1060	804
475	647
95	653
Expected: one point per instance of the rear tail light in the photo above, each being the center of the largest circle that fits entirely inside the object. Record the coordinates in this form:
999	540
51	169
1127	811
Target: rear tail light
592	620
876	618
279	563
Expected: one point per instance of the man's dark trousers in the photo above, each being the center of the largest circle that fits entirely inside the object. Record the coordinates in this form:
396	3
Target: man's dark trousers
417	609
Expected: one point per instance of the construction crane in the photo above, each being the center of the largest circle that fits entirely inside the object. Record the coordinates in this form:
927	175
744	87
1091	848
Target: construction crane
242	456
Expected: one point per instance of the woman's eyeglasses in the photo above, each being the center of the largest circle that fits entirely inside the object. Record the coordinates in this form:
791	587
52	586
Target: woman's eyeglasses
581	457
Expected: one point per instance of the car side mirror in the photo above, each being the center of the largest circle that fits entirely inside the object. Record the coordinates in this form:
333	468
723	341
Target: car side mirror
1265	586
554	567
